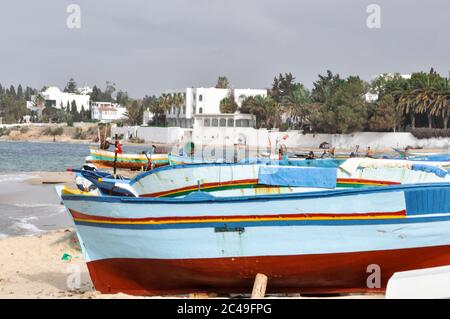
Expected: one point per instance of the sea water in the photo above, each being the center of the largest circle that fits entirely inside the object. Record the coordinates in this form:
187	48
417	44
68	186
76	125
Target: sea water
27	209
46	157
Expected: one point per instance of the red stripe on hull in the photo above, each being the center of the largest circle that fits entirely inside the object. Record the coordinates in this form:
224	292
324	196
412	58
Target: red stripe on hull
325	273
204	185
254	182
80	216
365	181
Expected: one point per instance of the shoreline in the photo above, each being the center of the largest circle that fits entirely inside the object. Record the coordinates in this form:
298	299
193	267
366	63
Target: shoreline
253	149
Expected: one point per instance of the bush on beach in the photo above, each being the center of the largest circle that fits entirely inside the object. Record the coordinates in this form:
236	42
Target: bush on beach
53	131
423	133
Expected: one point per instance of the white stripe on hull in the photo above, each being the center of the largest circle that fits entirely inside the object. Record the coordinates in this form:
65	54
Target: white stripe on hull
362	203
103	243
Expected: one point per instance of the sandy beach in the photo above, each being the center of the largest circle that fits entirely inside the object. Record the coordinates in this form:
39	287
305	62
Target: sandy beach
51	265
46	266
33	267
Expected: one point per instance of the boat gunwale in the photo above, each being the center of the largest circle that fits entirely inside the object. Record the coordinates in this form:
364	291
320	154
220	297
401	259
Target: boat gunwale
208	198
138	177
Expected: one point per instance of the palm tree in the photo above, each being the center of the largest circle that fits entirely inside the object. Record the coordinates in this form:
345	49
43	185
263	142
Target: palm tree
177	100
164	103
134	112
298	106
266	110
423	101
39	100
441	103
407	106
420	98
222	83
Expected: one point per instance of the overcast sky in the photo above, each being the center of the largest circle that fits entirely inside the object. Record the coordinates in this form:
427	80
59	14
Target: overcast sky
148	46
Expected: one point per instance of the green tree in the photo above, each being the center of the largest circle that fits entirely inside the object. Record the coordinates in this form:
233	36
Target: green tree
389	84
326	87
39	101
109	90
134	112
282	87
266	110
96	94
420	98
74	111
178	100
20	94
12	92
222	83
152	104
298	106
71	86
441	102
342	105
84	114
386	116
122	97
228	104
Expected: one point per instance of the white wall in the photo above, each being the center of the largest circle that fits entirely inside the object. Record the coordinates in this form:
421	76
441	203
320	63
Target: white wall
210	100
386	140
261	139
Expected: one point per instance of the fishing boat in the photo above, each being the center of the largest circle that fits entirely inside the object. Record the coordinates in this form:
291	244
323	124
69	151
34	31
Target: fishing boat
251	178
184	160
401	171
230	180
217	179
309	242
422	156
107	159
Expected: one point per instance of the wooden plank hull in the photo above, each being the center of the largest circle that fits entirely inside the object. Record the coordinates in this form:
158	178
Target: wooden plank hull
322	273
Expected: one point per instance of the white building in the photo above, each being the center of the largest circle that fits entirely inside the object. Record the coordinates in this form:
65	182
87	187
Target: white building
107	112
371	97
147	117
54	97
85	90
205	101
225	120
